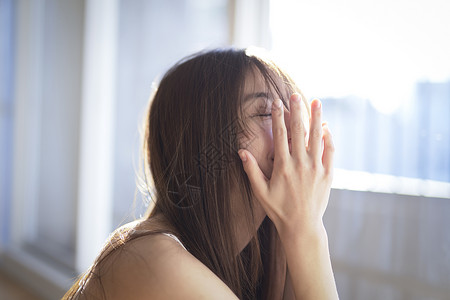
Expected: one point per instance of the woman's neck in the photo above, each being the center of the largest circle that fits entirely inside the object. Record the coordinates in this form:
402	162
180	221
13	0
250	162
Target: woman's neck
245	228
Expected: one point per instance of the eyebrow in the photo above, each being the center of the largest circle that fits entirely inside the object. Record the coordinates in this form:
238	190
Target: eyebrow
256	95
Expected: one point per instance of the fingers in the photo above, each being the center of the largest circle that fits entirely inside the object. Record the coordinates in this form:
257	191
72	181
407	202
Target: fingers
315	133
328	150
256	177
296	126
279	131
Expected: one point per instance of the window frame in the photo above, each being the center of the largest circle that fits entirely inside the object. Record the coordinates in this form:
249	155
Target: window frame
18	256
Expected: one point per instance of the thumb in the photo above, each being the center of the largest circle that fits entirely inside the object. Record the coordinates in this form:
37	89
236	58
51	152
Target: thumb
257	179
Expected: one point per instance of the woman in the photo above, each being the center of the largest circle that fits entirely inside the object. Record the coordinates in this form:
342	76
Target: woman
239	190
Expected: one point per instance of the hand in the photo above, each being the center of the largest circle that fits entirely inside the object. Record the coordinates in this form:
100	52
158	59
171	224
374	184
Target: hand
296	196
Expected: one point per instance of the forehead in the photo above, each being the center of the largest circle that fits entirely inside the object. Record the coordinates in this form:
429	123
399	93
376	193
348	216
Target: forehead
255	81
258	89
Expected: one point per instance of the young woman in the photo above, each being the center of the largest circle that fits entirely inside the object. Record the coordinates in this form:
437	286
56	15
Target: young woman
239	170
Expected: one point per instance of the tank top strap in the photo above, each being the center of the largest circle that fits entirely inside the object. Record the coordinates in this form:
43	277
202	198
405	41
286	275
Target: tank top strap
175	238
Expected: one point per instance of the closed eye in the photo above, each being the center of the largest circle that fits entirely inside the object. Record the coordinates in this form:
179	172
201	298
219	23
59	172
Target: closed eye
267	115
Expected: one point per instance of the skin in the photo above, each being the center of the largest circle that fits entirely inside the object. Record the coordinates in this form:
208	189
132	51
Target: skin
296	195
291	178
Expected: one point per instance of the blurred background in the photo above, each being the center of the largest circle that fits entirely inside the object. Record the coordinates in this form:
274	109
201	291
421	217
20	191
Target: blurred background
75	78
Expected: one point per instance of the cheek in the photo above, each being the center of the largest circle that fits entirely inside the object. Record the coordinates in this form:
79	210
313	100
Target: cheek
261	145
262	133
266	134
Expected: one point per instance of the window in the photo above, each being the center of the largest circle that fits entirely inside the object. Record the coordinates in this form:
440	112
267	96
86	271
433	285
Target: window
382	71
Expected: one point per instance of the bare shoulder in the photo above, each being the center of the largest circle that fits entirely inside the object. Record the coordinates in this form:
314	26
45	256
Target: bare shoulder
156	266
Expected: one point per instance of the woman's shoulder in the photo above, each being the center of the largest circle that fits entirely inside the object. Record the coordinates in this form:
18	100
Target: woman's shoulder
156	265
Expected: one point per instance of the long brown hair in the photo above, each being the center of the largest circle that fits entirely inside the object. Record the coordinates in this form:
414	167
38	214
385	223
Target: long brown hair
191	163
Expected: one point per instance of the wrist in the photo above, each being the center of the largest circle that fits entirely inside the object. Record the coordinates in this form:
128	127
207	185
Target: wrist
306	233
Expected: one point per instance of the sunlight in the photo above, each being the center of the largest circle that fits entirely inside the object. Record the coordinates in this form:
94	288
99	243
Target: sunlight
376	50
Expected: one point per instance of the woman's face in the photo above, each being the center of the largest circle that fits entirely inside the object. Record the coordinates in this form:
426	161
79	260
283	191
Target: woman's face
257	114
258	99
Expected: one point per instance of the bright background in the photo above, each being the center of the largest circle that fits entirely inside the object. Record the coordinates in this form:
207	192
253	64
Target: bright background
75	77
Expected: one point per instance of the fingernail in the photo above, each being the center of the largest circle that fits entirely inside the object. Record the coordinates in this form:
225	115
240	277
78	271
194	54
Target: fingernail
317	104
243	156
277	104
296	97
